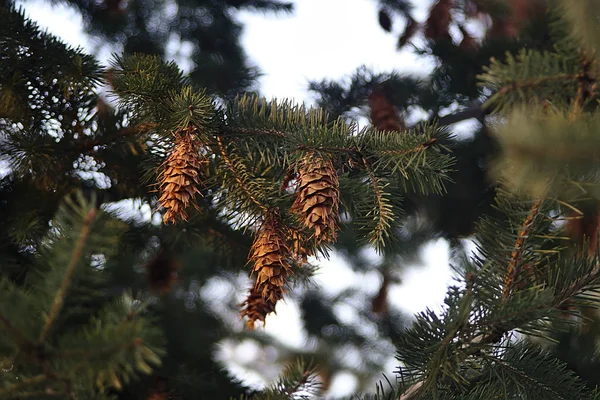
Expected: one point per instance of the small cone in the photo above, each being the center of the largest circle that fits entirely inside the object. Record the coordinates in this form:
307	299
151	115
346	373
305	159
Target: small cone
161	273
179	180
270	255
379	304
317	198
384	116
437	24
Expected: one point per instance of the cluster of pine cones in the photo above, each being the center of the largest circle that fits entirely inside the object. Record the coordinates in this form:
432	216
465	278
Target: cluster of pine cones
276	246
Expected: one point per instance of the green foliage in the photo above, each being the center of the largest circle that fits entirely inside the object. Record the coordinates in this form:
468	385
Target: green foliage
549	153
109	350
531	76
583	19
466	349
296	382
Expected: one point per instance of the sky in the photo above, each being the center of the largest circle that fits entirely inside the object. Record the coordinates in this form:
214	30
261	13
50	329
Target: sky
322	39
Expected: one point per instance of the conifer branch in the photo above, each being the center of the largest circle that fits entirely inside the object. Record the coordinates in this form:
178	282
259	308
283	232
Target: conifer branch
239	179
89	353
59	299
23	383
250	131
9	326
517	85
399	153
382	207
511	270
301	382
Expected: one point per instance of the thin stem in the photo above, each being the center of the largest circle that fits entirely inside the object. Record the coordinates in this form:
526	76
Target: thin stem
59	299
250	131
512	269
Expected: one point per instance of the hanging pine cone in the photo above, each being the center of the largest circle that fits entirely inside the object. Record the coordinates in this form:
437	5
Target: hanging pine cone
270	256
384	116
179	180
438	22
161	272
317	198
256	308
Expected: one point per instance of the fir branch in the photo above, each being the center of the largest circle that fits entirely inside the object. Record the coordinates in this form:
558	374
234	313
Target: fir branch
399	153
90	353
239	180
383	213
301	382
529	83
9	326
75	256
23	383
512	269
254	132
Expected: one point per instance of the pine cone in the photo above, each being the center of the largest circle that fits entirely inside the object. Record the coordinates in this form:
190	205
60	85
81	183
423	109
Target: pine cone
317	198
384	116
437	24
179	180
256	308
270	255
161	272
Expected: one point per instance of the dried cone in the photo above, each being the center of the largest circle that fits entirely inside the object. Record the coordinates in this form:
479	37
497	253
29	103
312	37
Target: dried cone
318	197
161	272
179	180
298	242
256	308
379	304
384	116
270	256
585	229
439	19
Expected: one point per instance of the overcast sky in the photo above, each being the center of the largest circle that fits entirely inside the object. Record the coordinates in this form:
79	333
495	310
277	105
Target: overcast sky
321	39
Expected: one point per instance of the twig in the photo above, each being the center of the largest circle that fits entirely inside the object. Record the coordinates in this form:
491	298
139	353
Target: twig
59	299
412	391
476	111
511	270
249	131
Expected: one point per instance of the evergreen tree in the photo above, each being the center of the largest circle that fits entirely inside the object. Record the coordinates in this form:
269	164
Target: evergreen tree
88	305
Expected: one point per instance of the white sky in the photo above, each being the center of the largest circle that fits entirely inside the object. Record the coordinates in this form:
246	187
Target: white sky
321	39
